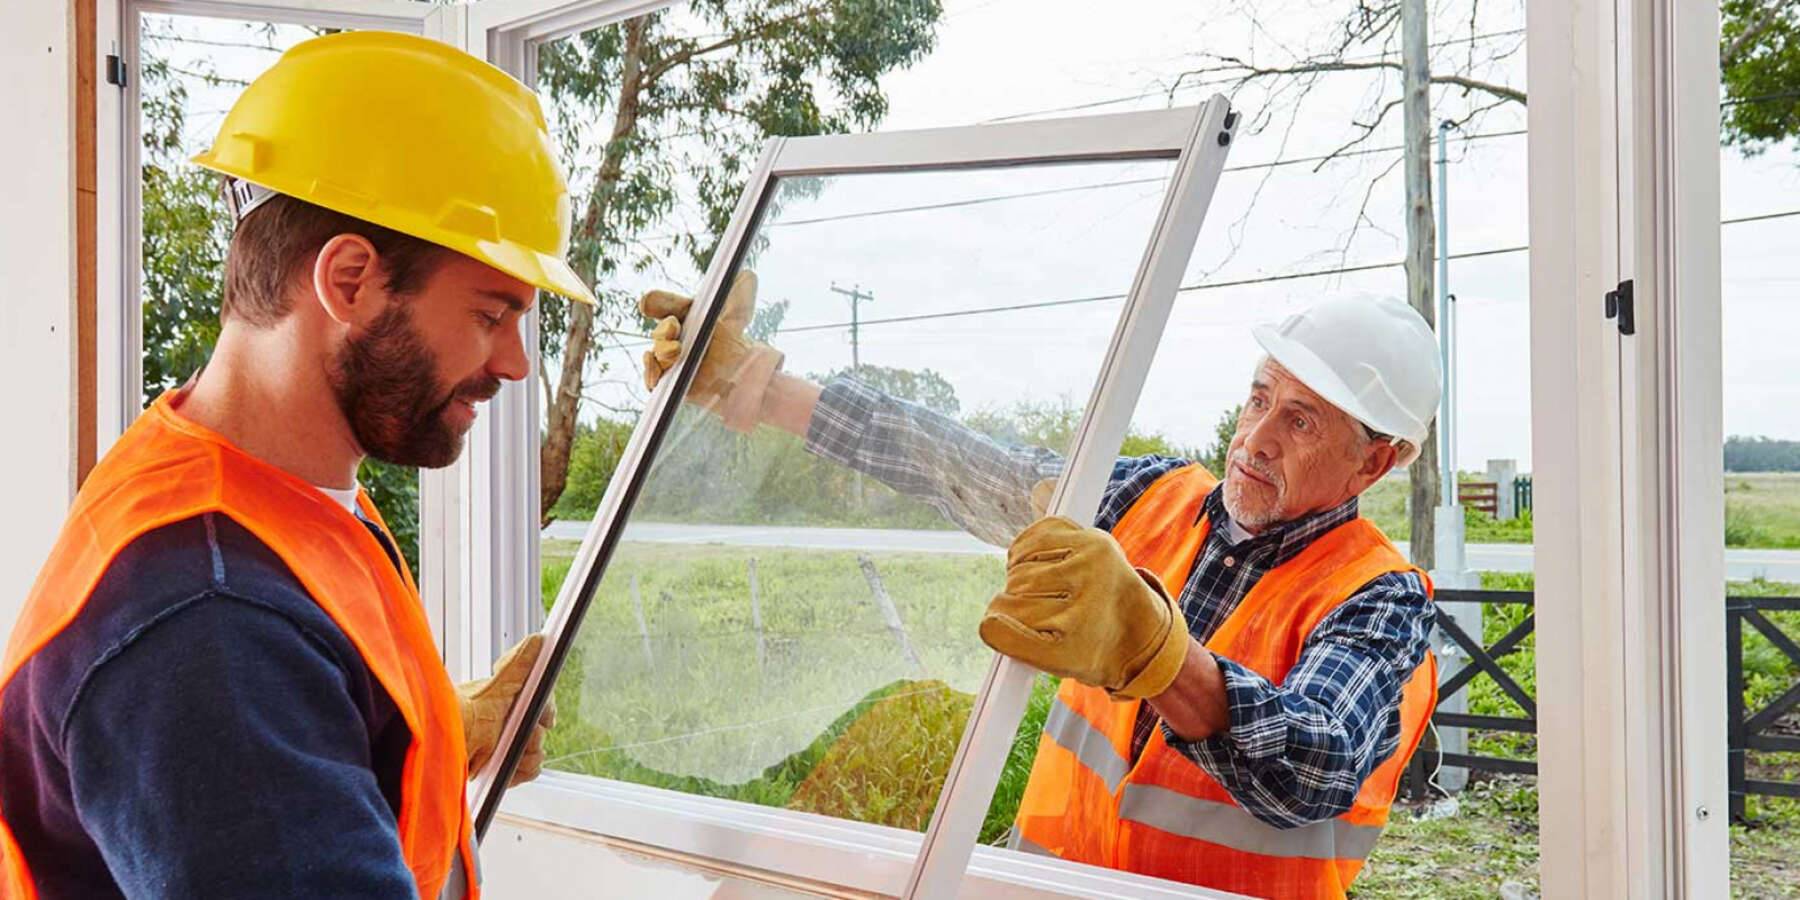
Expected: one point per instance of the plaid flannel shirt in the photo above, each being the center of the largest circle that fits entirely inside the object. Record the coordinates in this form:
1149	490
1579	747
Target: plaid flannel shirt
1296	752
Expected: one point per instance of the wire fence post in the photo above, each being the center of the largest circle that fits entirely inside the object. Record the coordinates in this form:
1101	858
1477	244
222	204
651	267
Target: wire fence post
756	617
889	613
637	608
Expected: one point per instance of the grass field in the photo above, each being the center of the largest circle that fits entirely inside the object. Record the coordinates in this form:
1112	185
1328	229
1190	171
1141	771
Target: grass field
831	715
1762	510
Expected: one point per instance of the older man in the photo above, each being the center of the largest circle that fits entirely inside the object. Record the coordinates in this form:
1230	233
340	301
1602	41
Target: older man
1268	706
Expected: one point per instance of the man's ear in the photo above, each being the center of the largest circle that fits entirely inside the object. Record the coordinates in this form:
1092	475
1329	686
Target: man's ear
346	279
1378	460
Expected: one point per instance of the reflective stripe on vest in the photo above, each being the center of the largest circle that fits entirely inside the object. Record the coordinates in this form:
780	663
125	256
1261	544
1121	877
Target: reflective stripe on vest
167	469
1066	727
1224	824
1160	813
1228	825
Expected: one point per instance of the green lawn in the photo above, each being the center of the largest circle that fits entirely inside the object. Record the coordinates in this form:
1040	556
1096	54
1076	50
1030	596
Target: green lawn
832	716
1762	510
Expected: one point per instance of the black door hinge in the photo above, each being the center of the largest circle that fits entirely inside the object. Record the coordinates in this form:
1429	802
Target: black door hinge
115	70
1618	305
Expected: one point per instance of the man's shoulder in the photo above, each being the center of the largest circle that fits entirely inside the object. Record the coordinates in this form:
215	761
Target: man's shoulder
153	582
1131	477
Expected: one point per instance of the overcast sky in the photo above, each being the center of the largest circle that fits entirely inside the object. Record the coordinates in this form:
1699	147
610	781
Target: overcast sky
1000	59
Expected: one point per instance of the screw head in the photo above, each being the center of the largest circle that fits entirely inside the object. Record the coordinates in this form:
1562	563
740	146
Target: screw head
1702	813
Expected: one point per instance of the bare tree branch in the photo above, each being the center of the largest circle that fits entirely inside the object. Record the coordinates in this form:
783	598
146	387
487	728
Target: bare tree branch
1753	31
1362	214
1368	130
654	73
1328	65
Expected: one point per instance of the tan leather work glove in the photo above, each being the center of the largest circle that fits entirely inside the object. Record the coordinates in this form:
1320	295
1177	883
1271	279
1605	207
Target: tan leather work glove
1073	606
485	703
735	372
1040	496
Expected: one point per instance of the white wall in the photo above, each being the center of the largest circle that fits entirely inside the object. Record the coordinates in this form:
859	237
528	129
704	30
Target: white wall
37	289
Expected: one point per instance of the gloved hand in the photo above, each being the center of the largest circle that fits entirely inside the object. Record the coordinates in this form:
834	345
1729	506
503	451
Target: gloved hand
1040	496
485	703
1073	606
735	372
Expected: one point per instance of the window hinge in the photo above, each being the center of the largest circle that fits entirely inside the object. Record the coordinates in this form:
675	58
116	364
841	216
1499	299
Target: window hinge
115	70
1618	305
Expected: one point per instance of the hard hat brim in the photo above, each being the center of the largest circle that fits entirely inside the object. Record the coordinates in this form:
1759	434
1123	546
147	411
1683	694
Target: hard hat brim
1324	381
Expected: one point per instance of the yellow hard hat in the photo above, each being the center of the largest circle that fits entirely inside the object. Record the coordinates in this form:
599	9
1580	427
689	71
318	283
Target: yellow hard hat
409	134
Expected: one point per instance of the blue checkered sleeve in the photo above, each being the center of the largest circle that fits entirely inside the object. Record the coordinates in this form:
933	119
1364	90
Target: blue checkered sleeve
1297	752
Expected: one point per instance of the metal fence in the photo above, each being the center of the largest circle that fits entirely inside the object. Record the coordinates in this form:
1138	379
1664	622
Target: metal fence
1765	729
1761	729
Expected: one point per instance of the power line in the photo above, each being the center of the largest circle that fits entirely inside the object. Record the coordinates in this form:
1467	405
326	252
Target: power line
1186	288
1101	298
206	43
1761	98
991	198
1760	218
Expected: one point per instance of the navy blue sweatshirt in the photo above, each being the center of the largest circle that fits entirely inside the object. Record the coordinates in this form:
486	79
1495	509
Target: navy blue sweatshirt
203	729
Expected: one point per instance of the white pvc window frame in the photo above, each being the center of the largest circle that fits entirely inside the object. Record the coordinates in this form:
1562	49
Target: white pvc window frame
1625	436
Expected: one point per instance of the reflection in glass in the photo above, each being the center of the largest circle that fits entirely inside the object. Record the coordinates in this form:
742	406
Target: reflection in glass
780	628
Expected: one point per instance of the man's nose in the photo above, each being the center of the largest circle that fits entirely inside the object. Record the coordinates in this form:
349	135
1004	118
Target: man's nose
509	360
1260	440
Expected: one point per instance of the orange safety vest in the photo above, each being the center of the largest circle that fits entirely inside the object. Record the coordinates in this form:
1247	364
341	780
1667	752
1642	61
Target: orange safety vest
166	469
1162	815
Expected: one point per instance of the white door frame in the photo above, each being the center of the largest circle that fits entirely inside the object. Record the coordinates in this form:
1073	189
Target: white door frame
1625	438
1672	427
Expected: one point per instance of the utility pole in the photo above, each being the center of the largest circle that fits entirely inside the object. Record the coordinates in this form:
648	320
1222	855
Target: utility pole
1448	565
1446	326
857	298
1415	78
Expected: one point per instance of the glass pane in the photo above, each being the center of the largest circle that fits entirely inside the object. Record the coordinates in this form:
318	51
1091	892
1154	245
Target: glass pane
1759	175
790	617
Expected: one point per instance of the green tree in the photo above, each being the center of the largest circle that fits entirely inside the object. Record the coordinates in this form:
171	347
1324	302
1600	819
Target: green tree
1052	424
922	386
1223	432
591	465
185	235
1759	60
689	102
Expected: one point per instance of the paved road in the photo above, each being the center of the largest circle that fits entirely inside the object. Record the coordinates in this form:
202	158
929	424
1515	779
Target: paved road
1740	565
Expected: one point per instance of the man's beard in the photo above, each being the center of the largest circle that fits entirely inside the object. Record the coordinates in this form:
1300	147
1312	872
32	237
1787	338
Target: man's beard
387	386
1262	517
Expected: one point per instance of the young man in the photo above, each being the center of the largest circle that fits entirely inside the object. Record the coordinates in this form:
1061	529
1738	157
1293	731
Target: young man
223	683
1245	663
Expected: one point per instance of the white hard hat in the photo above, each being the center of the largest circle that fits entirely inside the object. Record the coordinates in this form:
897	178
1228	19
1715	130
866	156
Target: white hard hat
1371	356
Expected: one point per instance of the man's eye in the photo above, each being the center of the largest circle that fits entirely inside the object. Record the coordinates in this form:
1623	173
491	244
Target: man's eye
493	321
1300	424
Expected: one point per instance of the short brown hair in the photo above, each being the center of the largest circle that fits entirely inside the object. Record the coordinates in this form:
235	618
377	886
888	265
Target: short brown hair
277	239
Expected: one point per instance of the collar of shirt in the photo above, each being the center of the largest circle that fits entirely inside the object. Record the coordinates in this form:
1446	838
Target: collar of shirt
1287	538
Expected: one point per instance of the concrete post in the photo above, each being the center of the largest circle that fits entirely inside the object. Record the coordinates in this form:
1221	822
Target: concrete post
1452	573
1504	473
